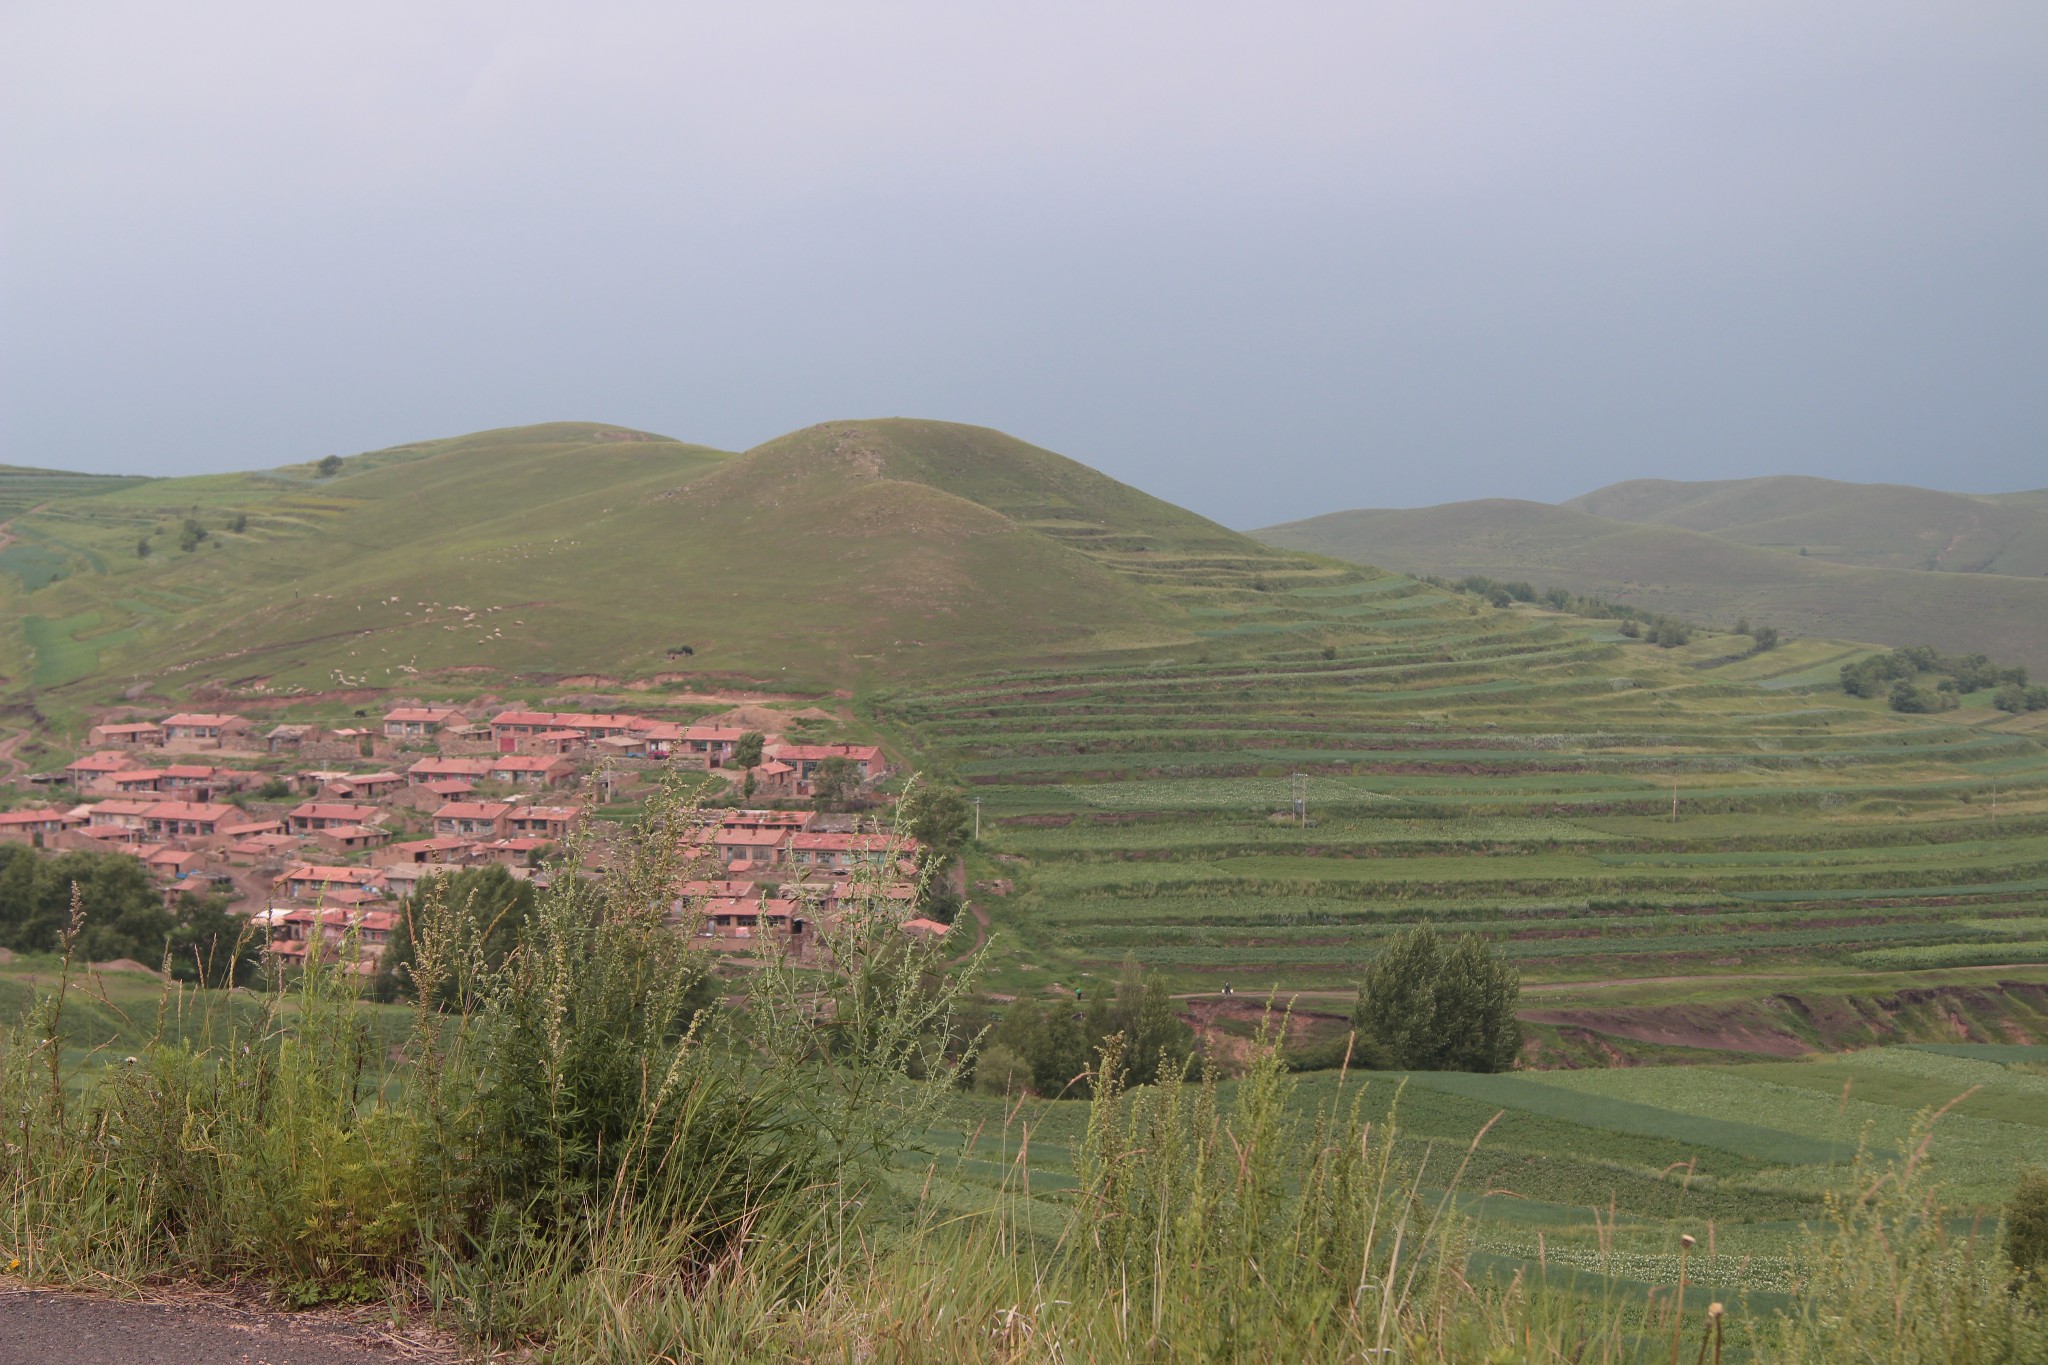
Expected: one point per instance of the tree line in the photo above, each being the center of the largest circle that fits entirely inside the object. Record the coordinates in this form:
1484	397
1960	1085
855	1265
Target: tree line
1636	624
123	916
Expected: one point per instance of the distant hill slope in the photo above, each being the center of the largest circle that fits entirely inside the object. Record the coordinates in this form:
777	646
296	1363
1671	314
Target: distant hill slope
1885	526
846	551
1667	566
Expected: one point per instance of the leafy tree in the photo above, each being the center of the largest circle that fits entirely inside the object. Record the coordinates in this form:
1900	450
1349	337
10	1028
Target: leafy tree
1049	1040
1762	638
1156	1039
124	913
191	536
746	752
239	522
142	548
209	946
833	783
2018	697
1428	1005
939	818
329	466
1058	1044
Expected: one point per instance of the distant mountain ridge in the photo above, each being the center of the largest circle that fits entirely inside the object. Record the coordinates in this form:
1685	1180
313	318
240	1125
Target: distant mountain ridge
1883	526
1882	563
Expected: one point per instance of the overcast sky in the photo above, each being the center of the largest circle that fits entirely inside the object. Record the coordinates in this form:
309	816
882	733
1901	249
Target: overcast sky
1265	259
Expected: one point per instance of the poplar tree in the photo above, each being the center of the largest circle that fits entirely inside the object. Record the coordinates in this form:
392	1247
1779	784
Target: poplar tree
1430	1005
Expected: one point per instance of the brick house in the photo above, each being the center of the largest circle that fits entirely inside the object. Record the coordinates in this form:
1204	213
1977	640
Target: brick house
188	819
133	734
95	765
350	838
532	770
541	822
430	770
309	881
202	729
420	722
310	817
472	819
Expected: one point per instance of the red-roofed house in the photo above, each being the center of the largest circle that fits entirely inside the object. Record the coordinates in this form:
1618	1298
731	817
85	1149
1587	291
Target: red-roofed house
866	759
202	729
518	852
472	819
128	815
85	769
712	744
199	779
418	722
429	770
541	822
136	734
435	851
309	881
532	770
188	819
30	825
843	852
350	838
350	936
369	786
310	817
740	921
750	848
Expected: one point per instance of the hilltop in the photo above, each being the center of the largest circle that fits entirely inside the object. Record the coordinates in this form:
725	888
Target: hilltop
847	551
1812	557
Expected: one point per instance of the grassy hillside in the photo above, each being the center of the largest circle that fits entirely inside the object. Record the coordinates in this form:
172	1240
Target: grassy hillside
851	550
1664	564
1886	526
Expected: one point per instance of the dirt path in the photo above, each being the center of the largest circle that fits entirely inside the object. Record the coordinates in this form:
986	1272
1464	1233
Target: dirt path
980	933
15	767
43	1327
7	526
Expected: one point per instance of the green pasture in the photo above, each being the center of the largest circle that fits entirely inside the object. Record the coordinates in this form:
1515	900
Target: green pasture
1601	1170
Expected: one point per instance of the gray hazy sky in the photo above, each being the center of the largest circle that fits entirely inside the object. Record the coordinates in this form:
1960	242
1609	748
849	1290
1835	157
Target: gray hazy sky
1266	259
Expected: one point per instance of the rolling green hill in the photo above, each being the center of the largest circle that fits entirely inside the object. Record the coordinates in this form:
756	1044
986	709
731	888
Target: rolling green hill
849	550
1699	551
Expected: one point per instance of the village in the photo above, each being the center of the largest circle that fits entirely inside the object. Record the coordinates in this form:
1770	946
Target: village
319	834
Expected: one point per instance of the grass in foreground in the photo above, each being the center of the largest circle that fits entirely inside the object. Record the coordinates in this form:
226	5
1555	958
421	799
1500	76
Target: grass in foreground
567	1156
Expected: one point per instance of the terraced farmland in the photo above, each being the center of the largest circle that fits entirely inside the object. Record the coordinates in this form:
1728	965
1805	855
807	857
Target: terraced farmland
1607	809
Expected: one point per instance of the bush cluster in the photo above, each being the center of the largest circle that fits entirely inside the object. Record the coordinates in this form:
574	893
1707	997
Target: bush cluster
1050	1048
1896	677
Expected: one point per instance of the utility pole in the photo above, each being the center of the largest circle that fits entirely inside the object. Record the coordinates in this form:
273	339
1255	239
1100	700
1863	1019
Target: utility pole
977	819
1674	800
1299	785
